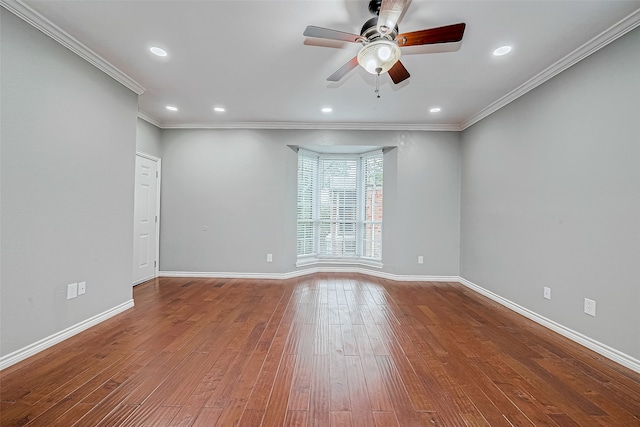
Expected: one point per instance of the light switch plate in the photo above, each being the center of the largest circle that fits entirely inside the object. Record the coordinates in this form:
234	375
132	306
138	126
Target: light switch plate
72	290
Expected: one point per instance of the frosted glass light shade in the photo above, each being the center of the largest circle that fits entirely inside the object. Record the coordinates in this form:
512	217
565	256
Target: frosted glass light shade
379	56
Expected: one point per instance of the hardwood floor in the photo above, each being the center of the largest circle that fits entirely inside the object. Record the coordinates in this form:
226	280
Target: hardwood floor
320	350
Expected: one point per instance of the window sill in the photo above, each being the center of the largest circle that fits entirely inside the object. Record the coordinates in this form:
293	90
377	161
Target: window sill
304	262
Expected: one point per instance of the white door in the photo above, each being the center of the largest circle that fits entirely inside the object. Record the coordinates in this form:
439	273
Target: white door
146	211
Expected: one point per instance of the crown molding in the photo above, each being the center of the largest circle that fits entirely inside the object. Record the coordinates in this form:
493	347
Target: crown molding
598	42
146	117
30	16
310	126
26	13
611	34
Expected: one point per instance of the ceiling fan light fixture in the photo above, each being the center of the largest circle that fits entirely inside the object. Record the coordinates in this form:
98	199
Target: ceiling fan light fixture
379	56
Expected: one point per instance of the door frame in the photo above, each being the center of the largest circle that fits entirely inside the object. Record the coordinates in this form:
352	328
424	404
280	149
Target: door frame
159	170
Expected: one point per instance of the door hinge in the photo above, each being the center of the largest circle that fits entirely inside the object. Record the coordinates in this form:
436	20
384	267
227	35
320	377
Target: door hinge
155	263
156	219
156	174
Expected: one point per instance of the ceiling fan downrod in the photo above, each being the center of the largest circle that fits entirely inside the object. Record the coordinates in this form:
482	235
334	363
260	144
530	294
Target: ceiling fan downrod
374	7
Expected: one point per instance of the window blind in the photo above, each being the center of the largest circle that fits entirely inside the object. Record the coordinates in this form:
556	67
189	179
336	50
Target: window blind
338	205
307	178
372	222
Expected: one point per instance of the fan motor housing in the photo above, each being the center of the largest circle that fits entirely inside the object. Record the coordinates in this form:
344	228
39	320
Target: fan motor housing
370	30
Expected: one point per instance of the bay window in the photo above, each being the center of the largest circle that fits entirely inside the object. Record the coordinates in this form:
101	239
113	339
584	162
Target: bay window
339	206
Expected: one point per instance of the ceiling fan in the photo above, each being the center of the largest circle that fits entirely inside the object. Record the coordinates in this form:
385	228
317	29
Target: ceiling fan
381	40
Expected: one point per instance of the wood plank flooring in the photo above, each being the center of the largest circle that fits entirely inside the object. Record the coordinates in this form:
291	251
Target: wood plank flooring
319	350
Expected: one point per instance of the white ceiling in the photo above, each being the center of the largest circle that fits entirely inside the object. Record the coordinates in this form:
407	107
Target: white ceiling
251	57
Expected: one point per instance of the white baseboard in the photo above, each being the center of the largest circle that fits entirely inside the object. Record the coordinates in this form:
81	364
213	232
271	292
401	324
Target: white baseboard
225	275
600	348
30	350
137	282
307	271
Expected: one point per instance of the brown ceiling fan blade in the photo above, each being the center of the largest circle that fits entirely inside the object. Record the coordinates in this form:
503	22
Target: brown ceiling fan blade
344	70
327	33
446	34
398	73
390	13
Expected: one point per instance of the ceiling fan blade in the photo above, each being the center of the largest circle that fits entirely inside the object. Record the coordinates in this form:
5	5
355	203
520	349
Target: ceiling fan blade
344	70
327	33
446	34
398	73
390	13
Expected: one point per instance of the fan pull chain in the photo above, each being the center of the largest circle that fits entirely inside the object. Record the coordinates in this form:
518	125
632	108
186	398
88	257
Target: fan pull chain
378	82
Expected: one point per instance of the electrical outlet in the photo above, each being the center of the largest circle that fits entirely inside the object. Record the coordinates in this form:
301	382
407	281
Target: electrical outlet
82	288
590	307
269	257
547	293
420	259
72	290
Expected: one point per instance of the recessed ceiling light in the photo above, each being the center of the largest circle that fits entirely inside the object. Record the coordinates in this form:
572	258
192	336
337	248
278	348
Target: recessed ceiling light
172	108
502	50
219	109
435	109
158	51
327	109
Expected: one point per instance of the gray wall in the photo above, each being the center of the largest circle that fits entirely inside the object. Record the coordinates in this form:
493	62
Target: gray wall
241	186
148	138
551	197
68	150
550	194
